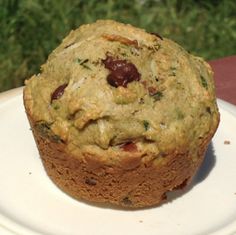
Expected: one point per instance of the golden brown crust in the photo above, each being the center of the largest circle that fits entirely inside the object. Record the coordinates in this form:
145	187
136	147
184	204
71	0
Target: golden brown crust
144	185
123	122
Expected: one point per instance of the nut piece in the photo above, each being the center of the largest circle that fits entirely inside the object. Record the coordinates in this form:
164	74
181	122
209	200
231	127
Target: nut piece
129	147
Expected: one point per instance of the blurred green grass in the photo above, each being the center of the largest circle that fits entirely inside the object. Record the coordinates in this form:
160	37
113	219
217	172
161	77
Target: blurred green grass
29	29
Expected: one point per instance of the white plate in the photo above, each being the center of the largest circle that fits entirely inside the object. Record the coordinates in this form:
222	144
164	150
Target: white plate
31	204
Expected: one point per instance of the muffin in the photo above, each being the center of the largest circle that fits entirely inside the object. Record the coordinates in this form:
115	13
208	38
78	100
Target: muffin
120	115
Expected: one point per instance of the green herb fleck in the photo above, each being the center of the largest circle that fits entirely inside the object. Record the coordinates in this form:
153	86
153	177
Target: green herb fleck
204	82
124	46
156	46
86	66
208	109
146	125
157	96
56	138
173	71
55	106
44	129
180	114
83	63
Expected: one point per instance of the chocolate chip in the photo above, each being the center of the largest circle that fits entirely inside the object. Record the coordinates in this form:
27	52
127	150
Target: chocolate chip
58	92
129	147
90	181
122	72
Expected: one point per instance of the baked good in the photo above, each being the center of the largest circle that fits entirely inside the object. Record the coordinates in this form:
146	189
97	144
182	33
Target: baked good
120	115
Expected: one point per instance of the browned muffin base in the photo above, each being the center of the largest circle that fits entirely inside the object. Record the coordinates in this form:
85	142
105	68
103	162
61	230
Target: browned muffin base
143	186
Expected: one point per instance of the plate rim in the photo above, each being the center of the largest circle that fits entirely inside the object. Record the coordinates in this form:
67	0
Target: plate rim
13	228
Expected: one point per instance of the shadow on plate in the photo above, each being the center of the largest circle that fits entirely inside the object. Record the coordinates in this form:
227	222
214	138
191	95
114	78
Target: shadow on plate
205	169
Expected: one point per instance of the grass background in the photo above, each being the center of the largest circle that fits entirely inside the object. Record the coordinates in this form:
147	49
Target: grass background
30	29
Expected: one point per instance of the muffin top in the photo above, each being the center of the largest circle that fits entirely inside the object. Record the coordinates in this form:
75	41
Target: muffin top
116	88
